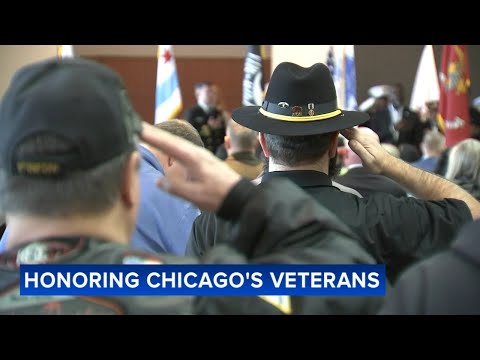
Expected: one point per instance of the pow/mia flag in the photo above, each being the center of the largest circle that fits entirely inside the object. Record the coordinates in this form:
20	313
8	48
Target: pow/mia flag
253	81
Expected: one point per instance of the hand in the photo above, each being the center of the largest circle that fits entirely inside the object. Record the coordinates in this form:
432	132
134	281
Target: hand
365	143
208	179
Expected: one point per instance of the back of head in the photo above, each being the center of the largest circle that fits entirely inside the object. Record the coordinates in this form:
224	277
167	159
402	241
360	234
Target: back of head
241	138
464	162
66	129
182	129
433	142
409	152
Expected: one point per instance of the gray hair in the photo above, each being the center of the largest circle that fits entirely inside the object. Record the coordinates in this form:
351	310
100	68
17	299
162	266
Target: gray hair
434	141
82	192
464	161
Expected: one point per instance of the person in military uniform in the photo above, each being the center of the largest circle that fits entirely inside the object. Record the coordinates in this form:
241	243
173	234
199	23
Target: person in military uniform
206	116
69	186
391	119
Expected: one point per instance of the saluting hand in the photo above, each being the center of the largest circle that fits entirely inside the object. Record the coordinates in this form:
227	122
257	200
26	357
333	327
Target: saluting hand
365	143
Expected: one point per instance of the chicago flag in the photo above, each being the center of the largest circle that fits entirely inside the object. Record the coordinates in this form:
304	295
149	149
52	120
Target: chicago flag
168	98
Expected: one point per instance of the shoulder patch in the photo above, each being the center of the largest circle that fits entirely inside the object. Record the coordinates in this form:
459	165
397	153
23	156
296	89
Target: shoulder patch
281	302
43	251
33	253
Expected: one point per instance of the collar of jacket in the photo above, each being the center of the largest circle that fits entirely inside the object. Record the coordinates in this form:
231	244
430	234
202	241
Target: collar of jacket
303	178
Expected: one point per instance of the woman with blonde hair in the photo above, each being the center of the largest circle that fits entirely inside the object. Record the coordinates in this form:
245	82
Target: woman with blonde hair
464	166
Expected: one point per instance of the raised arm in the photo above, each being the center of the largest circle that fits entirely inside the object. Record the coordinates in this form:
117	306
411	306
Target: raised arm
420	183
289	229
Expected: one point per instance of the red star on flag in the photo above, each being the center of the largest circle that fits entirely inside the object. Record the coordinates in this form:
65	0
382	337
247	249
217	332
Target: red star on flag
167	55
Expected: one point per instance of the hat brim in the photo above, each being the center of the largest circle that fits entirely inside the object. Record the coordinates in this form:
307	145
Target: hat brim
250	117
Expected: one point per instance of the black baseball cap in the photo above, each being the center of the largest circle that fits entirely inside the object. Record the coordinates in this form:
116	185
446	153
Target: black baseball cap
78	100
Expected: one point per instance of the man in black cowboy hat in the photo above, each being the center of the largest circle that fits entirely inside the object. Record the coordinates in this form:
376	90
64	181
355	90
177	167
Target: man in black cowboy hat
298	124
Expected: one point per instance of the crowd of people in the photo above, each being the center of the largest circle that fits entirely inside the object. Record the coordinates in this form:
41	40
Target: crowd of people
294	181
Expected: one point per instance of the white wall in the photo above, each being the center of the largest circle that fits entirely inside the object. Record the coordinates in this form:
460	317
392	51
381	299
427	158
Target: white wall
12	57
304	55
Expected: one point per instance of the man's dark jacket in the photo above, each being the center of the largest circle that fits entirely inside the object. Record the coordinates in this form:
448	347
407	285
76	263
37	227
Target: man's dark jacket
301	232
448	283
395	231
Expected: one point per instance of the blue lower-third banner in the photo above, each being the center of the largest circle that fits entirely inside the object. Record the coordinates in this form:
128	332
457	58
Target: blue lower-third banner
219	280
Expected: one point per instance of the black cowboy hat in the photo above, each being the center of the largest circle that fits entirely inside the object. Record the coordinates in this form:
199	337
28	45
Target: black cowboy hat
299	101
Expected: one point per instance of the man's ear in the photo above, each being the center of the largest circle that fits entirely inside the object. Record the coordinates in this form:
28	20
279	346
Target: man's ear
130	182
332	149
263	144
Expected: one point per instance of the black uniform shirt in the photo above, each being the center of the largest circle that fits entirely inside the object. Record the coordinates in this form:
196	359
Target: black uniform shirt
396	231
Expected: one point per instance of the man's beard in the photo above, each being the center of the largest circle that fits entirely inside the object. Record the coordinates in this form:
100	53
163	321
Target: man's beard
334	167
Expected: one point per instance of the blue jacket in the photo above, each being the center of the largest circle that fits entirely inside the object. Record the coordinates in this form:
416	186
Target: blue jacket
428	164
164	221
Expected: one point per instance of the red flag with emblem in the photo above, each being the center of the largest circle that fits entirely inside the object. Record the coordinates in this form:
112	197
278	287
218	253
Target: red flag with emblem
453	106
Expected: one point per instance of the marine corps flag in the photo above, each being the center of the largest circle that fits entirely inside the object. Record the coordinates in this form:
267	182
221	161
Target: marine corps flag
453	106
253	81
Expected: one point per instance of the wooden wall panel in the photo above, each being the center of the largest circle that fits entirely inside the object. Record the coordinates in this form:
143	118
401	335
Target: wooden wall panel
139	75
